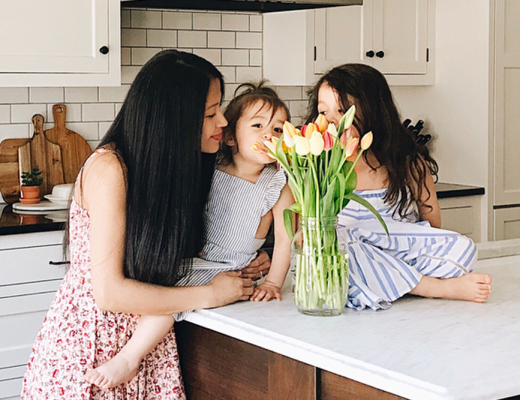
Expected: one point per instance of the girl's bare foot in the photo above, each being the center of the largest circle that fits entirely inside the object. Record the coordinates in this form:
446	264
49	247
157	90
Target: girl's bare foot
471	287
119	369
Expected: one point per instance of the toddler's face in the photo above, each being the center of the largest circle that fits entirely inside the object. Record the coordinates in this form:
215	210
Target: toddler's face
257	124
329	105
214	120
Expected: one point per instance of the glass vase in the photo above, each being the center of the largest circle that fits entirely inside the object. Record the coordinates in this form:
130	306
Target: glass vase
319	268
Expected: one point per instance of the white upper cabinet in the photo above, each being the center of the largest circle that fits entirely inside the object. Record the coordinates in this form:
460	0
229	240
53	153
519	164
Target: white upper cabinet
60	43
394	36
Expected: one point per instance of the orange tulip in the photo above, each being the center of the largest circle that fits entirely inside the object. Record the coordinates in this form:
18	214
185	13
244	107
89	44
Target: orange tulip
352	145
289	132
260	147
366	141
322	123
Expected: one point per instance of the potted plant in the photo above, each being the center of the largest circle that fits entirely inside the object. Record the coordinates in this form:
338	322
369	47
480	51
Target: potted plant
31	182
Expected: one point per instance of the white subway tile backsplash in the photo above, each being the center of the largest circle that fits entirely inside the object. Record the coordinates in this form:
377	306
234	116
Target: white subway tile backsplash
88	130
113	94
221	39
117	107
289	92
177	20
93	144
125	18
247	74
146	19
103	128
126	56
73	114
12	131
133	37
140	55
228	73
23	113
14	95
298	108
207	22
192	39
255	23
235	22
81	95
255	58
98	112
249	40
46	95
5	114
161	38
128	73
230	91
212	55
235	57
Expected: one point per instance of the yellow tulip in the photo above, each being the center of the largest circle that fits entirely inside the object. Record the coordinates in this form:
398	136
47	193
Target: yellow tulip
322	123
316	142
259	147
366	141
303	146
289	132
349	117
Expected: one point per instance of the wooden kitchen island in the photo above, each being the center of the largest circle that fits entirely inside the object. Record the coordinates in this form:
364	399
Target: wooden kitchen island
418	349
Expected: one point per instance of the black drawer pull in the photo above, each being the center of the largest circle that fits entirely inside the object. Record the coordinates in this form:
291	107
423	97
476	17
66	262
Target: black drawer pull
58	262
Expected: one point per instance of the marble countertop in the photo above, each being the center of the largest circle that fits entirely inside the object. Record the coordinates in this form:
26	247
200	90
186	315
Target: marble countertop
418	349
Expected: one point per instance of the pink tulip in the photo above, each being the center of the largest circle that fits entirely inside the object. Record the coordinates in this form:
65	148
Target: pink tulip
352	145
260	147
328	141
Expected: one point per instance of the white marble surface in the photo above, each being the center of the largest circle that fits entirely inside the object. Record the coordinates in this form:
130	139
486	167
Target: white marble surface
418	349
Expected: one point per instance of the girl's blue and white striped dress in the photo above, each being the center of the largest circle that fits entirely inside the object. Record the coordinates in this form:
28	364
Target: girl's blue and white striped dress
382	268
233	213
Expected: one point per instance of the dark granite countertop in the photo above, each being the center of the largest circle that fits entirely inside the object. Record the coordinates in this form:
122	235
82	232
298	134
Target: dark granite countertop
12	223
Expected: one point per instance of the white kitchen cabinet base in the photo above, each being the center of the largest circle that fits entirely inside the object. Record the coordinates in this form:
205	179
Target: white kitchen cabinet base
462	215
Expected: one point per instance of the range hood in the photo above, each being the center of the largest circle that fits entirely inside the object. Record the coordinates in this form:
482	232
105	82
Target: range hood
240	5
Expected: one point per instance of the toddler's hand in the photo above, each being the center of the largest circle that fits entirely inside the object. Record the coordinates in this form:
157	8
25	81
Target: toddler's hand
266	291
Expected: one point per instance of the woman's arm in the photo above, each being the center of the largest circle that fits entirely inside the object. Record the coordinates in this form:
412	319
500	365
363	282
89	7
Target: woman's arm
433	214
281	253
103	195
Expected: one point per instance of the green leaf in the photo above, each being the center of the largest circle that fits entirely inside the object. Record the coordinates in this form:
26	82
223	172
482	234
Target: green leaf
363	202
288	222
352	180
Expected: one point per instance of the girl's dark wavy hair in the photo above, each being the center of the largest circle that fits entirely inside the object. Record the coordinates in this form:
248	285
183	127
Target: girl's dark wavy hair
246	95
157	137
394	147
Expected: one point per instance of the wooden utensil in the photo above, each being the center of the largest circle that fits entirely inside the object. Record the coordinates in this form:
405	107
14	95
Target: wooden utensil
74	149
44	154
9	175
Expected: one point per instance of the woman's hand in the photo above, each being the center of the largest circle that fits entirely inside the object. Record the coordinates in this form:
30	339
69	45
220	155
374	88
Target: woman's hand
258	268
266	291
228	287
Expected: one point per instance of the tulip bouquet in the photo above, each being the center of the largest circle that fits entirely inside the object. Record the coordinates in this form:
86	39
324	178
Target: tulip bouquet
322	180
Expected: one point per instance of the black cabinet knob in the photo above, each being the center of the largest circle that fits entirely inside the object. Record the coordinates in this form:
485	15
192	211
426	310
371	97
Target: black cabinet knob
380	54
370	54
103	50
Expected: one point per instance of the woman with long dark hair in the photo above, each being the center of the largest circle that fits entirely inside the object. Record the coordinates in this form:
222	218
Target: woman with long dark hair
396	176
135	222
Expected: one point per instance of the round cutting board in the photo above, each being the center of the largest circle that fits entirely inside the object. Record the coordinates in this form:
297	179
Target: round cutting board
43	205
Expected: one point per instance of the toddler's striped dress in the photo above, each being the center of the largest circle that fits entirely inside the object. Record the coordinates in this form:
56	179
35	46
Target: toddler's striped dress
235	207
383	269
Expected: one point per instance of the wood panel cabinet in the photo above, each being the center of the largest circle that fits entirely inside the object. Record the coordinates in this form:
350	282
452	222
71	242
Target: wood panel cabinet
28	284
394	36
60	43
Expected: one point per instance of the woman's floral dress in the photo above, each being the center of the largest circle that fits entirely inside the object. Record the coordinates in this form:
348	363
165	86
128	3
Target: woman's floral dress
77	336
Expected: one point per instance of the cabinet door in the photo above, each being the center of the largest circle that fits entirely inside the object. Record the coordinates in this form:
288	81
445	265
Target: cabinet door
507	223
53	36
507	103
342	35
400	31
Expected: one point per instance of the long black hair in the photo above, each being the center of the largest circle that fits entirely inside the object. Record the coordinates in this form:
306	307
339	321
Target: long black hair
157	136
393	146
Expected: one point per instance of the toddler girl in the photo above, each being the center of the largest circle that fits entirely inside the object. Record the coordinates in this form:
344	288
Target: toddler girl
247	193
395	175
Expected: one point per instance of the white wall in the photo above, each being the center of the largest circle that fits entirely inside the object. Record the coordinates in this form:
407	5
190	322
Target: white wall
455	109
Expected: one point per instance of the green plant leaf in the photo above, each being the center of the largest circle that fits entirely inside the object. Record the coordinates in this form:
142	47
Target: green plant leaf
363	202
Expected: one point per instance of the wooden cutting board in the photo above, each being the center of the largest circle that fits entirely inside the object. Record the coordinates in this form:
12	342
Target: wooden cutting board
9	175
74	149
42	153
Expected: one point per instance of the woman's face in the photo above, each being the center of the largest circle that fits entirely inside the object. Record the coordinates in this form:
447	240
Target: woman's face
214	120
